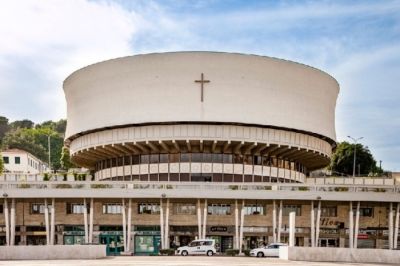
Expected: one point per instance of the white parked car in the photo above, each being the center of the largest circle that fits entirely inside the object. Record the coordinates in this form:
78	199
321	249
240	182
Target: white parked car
198	247
272	250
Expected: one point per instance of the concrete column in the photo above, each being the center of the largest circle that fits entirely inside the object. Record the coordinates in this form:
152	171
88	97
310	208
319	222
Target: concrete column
124	223
129	224
280	221
274	221
7	221
236	225
204	231
312	226
12	223
351	228
357	225
391	225
199	218
85	221
46	221
166	231
241	228
162	224
91	214
396	226
318	222
52	221
292	229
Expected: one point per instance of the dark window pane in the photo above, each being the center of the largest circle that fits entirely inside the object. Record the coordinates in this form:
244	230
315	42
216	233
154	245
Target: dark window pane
184	177
248	178
144	159
174	158
227	158
174	177
228	178
163	177
238	158
127	160
217	158
164	158
248	159
217	178
135	159
154	177
185	157
257	178
207	157
154	158
237	178
197	157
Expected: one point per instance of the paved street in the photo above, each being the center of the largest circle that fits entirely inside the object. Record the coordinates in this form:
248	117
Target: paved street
176	261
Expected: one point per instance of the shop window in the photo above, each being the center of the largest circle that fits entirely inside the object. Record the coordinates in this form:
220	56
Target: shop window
112	208
6	160
38	208
219	209
291	208
365	211
149	208
329	211
185	208
76	208
253	209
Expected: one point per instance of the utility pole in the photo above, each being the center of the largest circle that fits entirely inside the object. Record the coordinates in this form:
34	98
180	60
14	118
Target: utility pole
355	152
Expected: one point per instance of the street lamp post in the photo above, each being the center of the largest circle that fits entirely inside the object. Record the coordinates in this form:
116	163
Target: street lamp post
355	152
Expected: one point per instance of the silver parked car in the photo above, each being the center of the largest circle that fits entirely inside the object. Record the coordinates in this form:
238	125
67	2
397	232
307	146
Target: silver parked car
272	250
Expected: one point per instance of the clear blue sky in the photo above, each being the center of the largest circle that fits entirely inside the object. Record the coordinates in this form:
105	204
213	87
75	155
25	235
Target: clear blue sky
358	42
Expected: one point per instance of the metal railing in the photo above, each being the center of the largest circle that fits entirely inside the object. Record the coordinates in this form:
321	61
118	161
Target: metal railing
139	185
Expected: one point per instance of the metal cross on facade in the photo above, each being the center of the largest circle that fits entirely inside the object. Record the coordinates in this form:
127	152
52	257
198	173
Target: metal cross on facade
202	81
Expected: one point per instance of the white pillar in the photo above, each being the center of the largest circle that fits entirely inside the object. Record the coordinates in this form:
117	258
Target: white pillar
52	221
357	225
241	228
274	221
46	221
91	221
391	225
318	222
199	218
204	219
129	224
292	229
162	224
236	225
280	221
124	223
396	226
7	221
166	231
85	221
351	228
312	227
12	223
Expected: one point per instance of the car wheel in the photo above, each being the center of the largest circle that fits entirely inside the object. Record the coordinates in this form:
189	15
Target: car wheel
184	253
260	254
210	253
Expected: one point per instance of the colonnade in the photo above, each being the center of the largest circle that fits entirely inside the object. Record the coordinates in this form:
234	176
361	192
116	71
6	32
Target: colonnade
126	214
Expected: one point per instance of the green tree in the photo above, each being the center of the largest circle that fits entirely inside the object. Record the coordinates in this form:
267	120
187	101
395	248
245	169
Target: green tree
24	139
25	123
1	164
343	159
65	159
4	127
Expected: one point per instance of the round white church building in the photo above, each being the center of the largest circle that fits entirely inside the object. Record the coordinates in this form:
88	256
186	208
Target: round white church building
201	116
